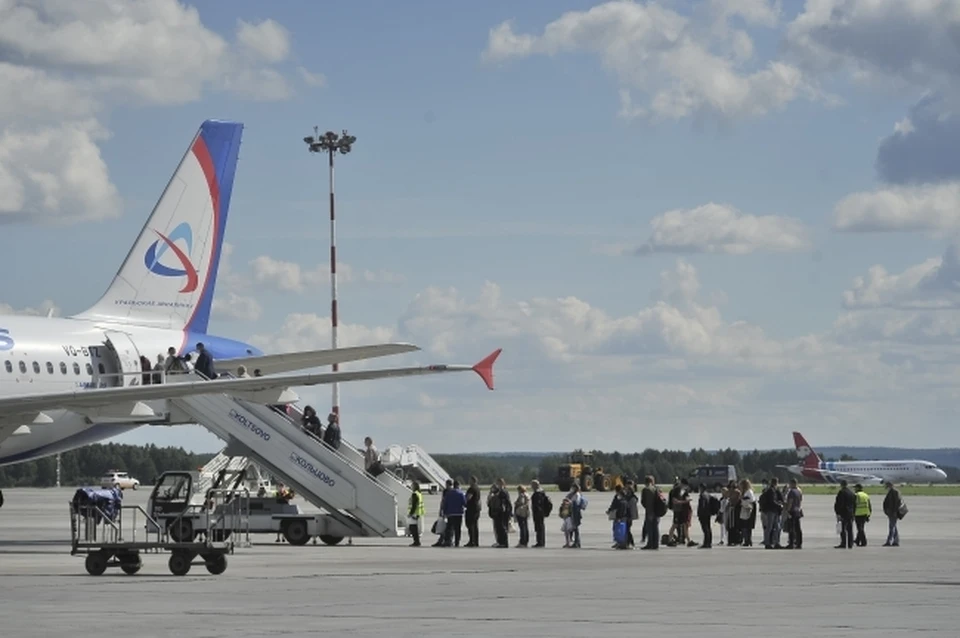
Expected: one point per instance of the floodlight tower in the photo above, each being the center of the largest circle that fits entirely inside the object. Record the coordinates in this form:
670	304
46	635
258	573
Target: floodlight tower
331	143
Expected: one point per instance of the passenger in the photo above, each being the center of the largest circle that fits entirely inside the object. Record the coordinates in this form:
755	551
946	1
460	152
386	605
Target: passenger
454	507
521	512
862	514
242	372
158	370
174	364
650	538
473	513
687	513
205	364
257	373
541	506
633	510
310	422
447	488
705	516
577	505
566	526
724	500
732	517
844	507
748	512
331	435
284	496
794	509
618	511
147	369
771	507
892	504
415	513
371	458
501	510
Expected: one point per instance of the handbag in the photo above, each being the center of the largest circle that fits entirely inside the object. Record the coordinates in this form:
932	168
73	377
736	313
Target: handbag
439	526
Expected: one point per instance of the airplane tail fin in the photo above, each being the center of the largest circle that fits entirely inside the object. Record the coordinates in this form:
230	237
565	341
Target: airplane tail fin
807	455
168	277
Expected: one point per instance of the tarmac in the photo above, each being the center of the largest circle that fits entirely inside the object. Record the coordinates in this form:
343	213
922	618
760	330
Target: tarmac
382	587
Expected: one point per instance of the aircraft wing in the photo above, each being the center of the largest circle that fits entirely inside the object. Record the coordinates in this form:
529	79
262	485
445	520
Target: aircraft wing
127	401
290	361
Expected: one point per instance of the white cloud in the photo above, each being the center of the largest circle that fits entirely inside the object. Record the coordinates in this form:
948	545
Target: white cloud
291	277
55	174
895	44
719	228
927	207
65	64
684	66
233	307
310	78
268	39
933	284
308	331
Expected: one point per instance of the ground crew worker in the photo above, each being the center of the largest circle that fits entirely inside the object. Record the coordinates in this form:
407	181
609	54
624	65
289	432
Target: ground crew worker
415	514
862	514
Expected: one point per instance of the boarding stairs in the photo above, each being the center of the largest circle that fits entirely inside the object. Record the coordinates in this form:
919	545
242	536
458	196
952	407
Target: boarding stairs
225	468
331	480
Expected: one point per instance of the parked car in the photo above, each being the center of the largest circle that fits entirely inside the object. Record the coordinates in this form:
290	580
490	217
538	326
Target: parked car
116	478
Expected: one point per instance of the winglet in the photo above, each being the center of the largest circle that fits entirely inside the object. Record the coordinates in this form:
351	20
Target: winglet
485	368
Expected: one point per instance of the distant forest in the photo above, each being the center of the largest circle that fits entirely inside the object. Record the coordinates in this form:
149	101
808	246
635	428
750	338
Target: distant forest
86	465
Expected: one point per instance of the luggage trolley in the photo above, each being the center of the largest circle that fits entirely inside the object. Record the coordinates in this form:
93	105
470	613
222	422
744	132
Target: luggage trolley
110	534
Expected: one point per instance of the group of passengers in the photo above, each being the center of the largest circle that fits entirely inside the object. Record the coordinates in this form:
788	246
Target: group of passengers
330	434
736	510
174	363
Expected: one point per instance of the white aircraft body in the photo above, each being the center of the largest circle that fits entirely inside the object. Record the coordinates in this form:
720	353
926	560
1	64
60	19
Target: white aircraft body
812	468
69	382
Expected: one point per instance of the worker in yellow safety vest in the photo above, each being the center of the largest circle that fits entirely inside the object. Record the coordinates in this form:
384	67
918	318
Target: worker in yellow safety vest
415	514
861	514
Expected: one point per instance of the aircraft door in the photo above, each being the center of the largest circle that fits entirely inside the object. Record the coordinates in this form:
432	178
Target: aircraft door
126	359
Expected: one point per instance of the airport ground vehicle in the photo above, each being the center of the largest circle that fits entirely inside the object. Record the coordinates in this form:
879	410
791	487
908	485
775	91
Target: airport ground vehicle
110	534
116	478
579	469
180	506
716	477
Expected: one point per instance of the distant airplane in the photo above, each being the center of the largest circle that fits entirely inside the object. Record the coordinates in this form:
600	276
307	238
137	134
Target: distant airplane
69	382
813	469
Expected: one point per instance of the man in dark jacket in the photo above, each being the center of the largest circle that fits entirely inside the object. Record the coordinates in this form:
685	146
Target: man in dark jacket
540	506
891	507
844	507
500	510
473	513
705	517
331	436
771	510
454	506
651	522
204	363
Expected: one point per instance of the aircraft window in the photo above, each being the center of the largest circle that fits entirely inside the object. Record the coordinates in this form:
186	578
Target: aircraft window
63	368
89	369
76	368
101	368
8	365
36	368
49	368
23	367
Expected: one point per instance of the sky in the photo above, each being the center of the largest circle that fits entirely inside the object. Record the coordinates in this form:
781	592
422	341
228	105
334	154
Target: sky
687	223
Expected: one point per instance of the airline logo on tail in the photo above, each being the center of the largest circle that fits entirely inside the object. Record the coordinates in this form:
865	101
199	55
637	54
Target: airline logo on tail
155	252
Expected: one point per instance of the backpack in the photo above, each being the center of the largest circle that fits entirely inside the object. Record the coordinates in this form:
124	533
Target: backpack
547	506
714	506
660	505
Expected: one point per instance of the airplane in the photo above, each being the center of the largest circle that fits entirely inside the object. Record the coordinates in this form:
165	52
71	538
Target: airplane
863	472
69	382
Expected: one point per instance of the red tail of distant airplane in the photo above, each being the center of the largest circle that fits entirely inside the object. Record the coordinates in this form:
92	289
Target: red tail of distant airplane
809	459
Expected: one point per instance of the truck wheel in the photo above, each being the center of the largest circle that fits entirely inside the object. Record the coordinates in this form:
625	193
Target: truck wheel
181	531
588	484
330	540
96	563
598	482
179	563
564	486
296	532
217	564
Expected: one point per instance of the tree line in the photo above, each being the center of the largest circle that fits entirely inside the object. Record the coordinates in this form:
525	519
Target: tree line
85	466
